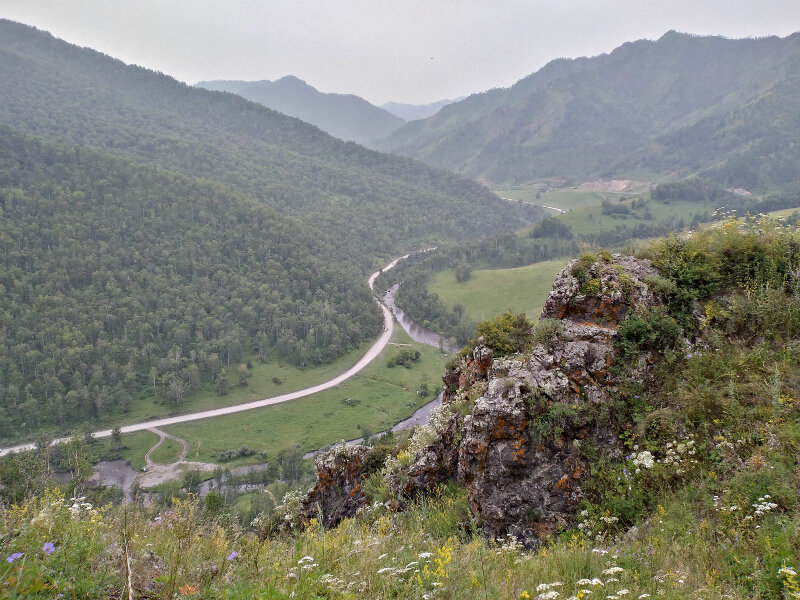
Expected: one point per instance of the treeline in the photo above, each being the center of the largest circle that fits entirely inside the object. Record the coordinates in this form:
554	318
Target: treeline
120	280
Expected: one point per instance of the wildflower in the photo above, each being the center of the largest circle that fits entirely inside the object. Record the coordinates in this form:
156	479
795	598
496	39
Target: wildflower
543	587
425	554
612	571
551	595
14	557
48	548
524	595
305	559
644	459
189	590
787	571
623	592
643	596
233	555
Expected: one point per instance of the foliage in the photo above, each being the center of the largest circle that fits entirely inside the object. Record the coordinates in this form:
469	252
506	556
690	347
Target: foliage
505	334
647	330
406	358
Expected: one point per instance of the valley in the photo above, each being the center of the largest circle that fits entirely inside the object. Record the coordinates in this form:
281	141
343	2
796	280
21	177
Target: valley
263	341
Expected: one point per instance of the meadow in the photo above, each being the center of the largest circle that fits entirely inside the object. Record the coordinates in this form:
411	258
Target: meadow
487	293
271	378
371	401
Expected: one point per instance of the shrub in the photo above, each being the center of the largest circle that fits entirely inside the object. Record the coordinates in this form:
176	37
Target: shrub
647	330
505	334
547	331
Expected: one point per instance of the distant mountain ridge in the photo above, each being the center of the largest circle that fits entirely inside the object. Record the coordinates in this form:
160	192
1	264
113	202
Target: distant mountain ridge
413	112
345	116
645	107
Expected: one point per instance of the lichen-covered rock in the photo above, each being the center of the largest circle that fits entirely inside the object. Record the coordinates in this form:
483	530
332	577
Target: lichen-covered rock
600	292
518	455
473	368
516	485
337	495
435	463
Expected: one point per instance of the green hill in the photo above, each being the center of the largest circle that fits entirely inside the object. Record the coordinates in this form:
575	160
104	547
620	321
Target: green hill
154	233
344	116
121	280
677	105
365	202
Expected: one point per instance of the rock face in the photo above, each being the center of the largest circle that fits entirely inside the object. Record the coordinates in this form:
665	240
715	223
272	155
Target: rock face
337	494
518	450
519	455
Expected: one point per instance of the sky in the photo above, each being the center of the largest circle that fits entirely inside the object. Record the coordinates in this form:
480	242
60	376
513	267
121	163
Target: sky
413	51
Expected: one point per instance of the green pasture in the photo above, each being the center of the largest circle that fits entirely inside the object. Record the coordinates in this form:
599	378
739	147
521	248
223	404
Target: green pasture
381	396
272	378
590	219
135	445
490	292
566	199
167	453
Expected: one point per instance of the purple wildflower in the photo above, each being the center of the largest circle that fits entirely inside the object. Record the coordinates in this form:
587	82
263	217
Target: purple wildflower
48	548
14	557
233	555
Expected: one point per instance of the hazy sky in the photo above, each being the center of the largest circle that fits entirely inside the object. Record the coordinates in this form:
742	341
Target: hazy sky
403	50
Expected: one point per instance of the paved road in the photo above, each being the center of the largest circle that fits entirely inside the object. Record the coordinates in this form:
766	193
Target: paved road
374	351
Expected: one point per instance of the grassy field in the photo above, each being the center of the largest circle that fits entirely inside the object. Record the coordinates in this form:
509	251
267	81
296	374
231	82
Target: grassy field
135	446
490	292
260	384
167	453
590	220
381	396
565	199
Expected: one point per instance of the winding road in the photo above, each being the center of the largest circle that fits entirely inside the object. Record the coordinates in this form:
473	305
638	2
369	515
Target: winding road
371	354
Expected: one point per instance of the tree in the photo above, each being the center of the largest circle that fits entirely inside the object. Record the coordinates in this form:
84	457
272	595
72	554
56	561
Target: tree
222	382
116	437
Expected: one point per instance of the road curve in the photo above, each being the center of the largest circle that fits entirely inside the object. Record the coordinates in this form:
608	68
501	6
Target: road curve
374	351
558	210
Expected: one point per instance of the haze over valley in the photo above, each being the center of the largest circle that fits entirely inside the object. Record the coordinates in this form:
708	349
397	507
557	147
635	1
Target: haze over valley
508	311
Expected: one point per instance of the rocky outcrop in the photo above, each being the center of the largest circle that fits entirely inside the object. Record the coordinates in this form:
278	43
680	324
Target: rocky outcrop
520	455
514	430
337	494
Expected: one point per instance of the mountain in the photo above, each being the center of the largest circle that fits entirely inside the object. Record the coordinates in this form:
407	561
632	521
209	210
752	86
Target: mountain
366	203
648	106
344	116
153	232
414	112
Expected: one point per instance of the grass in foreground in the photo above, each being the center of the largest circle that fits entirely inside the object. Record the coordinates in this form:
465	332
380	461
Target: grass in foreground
488	293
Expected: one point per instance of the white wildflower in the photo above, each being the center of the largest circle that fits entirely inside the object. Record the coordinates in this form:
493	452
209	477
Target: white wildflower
612	571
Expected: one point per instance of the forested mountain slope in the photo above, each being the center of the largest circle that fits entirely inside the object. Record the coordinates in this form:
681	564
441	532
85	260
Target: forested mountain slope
368	203
344	116
119	279
154	234
645	105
